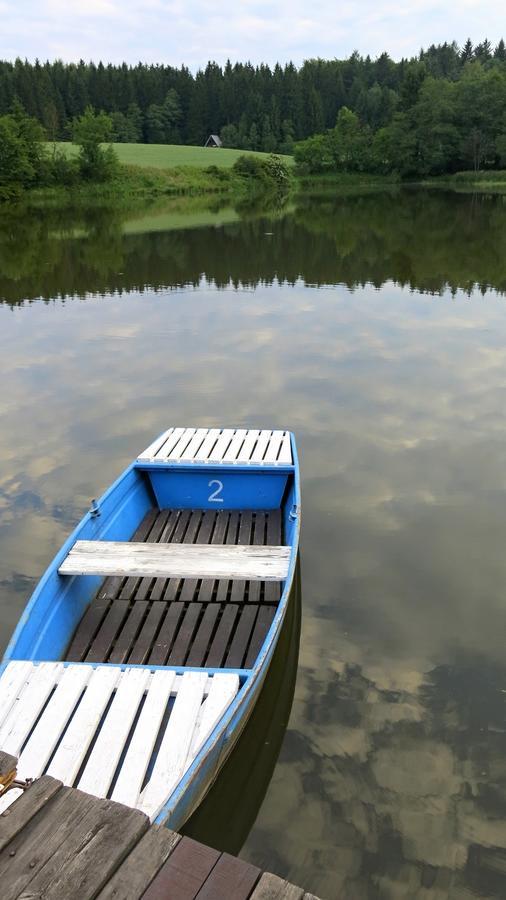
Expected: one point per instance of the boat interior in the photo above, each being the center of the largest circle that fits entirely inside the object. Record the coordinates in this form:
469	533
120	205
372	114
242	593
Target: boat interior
152	617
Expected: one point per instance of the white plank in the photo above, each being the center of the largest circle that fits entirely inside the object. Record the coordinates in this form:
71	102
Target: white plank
273	447
248	446
171	442
51	724
223	690
133	768
157	445
206	448
175	747
221	445
26	709
14	678
8	798
235	445
68	758
182	444
261	446
194	445
285	454
137	559
104	757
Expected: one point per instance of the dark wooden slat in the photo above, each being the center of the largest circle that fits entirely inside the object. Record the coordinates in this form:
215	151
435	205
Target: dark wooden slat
86	630
184	873
189	589
223	583
184	534
126	638
221	638
244	538
92	850
199	647
263	623
104	641
185	634
170	535
110	588
26	807
166	635
132	584
142	647
144	585
270	887
239	646
259	541
272	589
139	868
205	594
232	878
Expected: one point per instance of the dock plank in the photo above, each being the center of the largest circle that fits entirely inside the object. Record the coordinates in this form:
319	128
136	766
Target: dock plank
184	873
26	807
270	887
230	877
139	868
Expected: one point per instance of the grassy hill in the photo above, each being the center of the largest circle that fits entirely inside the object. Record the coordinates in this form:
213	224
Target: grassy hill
170	156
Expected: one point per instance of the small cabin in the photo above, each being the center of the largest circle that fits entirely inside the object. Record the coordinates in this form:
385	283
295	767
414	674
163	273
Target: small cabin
213	140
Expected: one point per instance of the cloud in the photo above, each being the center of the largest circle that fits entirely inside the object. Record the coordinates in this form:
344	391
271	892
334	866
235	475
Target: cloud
259	30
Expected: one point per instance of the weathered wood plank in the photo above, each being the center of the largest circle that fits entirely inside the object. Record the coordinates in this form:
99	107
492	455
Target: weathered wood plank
176	743
47	733
230	877
184	873
139	868
131	776
24	712
70	754
176	561
270	887
244	538
31	800
221	693
104	757
32	848
93	848
8	767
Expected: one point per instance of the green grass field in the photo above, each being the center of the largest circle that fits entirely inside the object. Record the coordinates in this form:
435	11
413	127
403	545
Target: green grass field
169	156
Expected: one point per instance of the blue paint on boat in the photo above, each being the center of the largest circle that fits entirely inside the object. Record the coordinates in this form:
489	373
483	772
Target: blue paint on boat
58	603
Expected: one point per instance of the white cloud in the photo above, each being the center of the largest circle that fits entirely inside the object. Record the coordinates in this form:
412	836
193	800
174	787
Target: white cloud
260	30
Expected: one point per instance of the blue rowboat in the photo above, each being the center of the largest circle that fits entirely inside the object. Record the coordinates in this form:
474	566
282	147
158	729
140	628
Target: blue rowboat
141	653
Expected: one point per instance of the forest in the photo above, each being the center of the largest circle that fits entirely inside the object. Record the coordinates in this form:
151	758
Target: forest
439	112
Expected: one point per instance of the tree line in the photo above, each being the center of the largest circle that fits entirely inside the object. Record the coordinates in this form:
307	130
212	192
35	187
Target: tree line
256	107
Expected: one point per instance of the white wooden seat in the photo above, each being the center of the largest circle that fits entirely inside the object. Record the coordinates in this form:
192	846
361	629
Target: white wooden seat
131	558
87	707
223	446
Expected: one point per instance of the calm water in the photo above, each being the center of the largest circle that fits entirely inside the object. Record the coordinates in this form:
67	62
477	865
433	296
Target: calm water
374	326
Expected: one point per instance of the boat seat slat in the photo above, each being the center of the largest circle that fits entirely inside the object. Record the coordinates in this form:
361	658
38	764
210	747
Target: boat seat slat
220	446
114	730
135	559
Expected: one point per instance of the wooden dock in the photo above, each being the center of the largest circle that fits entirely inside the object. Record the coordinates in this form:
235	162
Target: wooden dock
59	843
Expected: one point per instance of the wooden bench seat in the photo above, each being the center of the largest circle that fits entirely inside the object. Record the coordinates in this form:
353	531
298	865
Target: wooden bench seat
220	446
129	734
144	560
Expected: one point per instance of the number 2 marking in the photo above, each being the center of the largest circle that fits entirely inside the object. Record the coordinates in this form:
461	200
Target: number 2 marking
214	496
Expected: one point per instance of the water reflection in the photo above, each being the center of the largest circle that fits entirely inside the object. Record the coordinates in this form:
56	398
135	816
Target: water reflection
391	780
429	241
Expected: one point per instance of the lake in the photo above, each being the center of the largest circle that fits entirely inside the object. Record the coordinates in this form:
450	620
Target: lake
373	325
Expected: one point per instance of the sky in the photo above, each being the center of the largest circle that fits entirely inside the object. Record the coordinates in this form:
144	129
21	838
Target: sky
194	31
